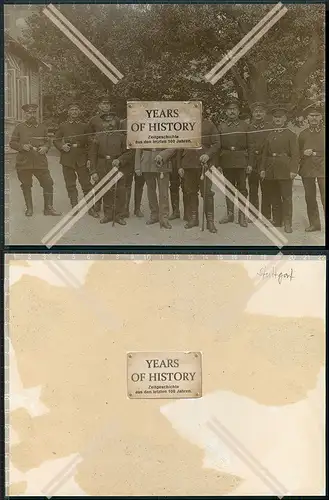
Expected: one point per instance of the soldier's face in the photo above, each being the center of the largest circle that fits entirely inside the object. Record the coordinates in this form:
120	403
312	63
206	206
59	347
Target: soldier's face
74	112
31	115
279	120
105	107
110	124
232	112
314	119
258	114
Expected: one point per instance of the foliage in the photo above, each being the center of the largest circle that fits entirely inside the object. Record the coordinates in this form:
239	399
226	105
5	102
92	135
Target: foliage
164	51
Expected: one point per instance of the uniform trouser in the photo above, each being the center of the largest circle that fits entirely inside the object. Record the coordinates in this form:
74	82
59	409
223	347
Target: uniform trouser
266	206
310	198
253	182
114	199
237	177
176	182
71	174
139	185
159	209
280	192
192	185
45	180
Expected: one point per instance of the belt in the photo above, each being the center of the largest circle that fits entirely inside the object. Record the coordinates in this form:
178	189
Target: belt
232	148
108	157
278	154
257	152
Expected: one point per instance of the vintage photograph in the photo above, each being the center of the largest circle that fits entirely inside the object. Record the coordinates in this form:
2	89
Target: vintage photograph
164	124
184	376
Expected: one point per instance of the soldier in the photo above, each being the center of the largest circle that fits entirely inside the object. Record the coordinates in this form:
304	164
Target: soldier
176	183
96	123
108	149
279	167
311	146
31	140
259	130
132	176
71	139
191	165
235	157
156	166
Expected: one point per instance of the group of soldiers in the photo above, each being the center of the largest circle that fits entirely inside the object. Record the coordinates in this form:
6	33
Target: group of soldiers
263	156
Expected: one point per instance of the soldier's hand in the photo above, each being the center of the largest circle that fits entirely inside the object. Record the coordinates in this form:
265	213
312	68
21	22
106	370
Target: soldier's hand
308	152
116	163
43	150
66	148
158	160
292	175
94	178
138	173
181	172
27	147
88	164
204	159
262	175
248	170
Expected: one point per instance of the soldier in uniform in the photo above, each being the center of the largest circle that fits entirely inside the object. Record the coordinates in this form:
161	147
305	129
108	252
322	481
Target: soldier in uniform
191	168
108	149
156	166
132	176
31	140
259	130
71	139
235	157
96	123
279	167
311	147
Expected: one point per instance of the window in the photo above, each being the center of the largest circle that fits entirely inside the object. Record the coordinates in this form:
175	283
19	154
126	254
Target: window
10	93
23	93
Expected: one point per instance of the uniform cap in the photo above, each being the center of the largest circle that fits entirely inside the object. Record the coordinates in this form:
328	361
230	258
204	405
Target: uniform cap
279	110
73	104
258	104
29	107
104	98
314	107
107	116
232	101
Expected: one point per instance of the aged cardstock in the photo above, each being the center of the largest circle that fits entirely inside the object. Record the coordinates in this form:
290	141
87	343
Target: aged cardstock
162	124
161	375
74	430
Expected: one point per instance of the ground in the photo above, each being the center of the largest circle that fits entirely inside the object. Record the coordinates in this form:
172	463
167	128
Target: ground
88	231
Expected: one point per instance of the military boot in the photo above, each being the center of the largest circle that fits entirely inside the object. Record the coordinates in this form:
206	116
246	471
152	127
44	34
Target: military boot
165	224
312	228
210	215
228	218
287	226
175	206
48	205
193	221
242	219
27	193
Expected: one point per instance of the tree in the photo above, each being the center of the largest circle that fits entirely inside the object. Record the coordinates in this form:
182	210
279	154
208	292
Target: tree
164	51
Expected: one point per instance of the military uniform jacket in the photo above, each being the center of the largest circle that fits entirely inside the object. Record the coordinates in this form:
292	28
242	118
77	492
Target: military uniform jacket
36	136
235	146
106	147
210	142
312	166
280	155
75	134
148	164
258	134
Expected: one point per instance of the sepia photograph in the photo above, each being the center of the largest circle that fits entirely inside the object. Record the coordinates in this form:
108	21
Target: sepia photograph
187	376
164	124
